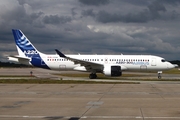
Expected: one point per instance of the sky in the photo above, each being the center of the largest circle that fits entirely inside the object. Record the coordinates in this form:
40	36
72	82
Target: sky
143	27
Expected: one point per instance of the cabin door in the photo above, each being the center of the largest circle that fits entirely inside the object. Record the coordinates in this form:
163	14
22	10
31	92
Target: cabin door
153	62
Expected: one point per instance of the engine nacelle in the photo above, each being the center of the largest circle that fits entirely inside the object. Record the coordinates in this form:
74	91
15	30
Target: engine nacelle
112	70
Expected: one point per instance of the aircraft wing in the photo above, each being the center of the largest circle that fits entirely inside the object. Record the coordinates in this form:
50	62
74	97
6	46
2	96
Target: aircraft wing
90	66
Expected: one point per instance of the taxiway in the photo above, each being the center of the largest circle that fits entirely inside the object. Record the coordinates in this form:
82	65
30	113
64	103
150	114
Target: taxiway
147	101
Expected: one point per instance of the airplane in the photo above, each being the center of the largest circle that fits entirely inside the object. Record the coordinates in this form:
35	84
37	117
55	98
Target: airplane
109	65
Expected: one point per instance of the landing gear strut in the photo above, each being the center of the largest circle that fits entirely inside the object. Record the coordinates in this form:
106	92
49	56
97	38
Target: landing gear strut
159	74
93	76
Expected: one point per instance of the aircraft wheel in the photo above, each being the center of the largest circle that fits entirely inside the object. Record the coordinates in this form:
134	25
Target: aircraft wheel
92	76
95	76
159	76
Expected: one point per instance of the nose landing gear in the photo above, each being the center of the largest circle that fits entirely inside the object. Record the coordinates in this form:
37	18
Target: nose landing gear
159	74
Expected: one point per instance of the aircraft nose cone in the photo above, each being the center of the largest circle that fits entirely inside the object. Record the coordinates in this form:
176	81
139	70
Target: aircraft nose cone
170	66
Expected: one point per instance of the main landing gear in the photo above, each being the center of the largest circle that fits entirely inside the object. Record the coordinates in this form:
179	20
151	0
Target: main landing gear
93	76
159	74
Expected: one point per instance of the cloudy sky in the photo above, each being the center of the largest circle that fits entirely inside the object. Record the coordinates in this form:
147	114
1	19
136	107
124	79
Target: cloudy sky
93	26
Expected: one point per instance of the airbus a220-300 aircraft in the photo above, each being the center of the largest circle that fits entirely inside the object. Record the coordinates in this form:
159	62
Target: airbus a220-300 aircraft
109	65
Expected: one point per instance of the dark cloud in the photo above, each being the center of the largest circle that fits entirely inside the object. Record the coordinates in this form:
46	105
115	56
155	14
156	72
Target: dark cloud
171	2
55	19
99	26
106	17
88	12
73	12
21	2
154	11
94	2
18	16
135	2
36	15
155	8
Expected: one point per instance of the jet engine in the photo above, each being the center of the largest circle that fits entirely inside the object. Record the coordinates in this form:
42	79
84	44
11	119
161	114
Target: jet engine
112	70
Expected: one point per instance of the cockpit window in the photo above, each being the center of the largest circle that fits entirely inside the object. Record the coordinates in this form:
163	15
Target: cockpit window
163	60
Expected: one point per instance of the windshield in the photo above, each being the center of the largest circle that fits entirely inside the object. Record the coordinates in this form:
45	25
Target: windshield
163	60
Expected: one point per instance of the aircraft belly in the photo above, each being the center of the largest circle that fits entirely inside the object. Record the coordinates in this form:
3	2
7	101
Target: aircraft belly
61	66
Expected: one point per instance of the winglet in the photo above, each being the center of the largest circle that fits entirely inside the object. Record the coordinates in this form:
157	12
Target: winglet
60	54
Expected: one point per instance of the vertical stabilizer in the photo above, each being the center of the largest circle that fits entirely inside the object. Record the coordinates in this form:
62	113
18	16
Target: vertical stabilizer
24	46
27	50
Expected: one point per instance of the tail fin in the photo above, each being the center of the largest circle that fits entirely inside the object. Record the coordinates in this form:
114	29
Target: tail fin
24	46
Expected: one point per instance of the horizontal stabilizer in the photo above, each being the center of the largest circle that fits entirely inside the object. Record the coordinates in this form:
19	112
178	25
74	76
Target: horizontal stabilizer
20	59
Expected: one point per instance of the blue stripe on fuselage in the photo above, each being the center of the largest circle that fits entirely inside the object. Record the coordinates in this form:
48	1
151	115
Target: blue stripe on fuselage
38	62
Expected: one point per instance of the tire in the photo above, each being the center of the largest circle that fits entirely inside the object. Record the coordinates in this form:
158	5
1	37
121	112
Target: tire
92	76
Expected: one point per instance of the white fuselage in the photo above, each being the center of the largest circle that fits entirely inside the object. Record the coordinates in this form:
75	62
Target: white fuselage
127	62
